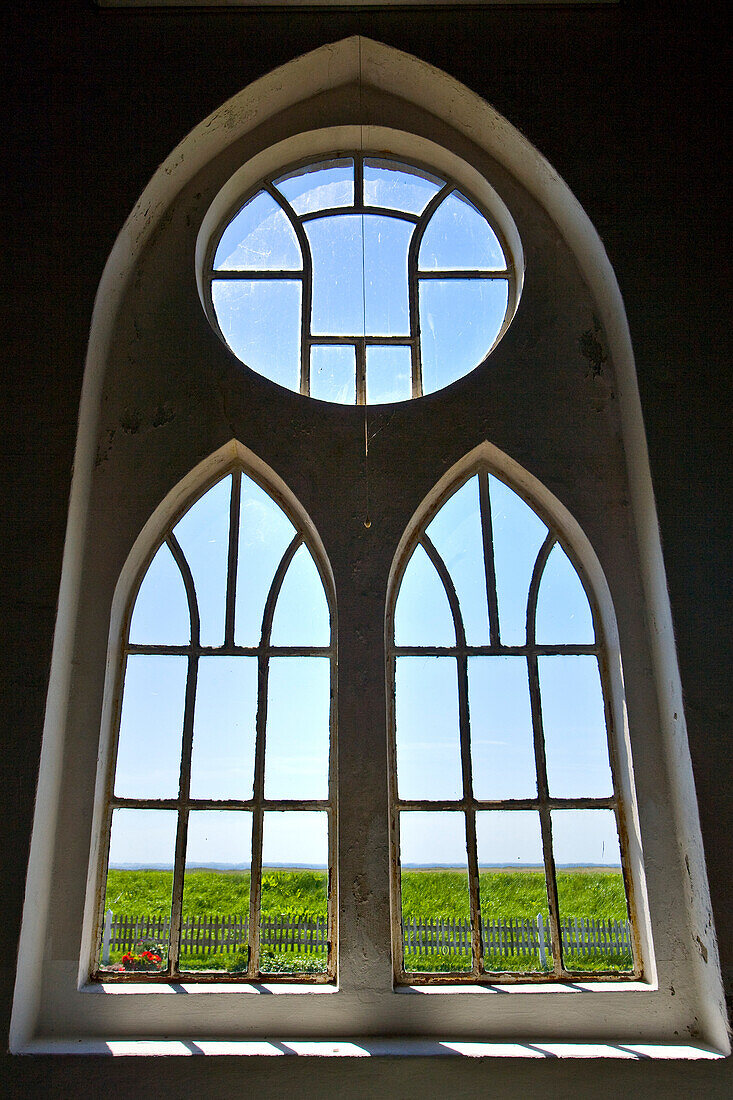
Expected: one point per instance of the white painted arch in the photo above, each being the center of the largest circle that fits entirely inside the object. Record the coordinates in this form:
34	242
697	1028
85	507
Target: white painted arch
359	75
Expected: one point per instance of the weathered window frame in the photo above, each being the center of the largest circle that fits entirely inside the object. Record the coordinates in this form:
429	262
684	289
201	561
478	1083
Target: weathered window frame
468	805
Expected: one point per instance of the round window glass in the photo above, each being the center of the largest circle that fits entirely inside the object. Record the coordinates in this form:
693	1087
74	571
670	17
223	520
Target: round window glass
360	280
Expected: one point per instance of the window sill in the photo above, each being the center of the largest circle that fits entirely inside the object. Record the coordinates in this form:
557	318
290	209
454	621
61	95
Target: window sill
246	988
372	1048
531	987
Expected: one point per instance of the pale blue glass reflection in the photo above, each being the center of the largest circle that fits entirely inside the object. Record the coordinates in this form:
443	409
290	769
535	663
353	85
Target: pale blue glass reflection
259	238
295	838
518	536
458	238
573	718
319	187
427	731
142	839
460	320
585	838
359	275
265	532
398	187
388	373
160	615
151	726
219	840
422	612
203	535
333	373
508	839
301	613
297	734
260	321
222	762
432	838
563	612
456	534
502	743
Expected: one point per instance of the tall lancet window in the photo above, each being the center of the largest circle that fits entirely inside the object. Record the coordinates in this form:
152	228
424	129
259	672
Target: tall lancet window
505	811
222	786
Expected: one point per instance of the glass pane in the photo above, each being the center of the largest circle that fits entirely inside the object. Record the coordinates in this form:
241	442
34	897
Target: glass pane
563	612
160	615
594	919
502	743
222	763
422	612
573	718
460	320
397	186
301	612
319	187
456	535
260	237
388	374
265	532
215	917
203	534
297	736
294	903
427	731
436	915
151	727
260	321
518	535
458	238
333	373
514	915
358	276
137	900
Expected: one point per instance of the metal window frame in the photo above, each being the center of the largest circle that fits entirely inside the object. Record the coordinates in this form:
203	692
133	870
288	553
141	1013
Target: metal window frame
258	804
304	275
469	805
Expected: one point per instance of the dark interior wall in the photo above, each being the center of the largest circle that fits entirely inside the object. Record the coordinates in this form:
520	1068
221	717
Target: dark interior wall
626	104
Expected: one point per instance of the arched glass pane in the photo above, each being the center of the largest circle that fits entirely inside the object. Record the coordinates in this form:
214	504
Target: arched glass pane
460	320
265	532
151	726
563	612
426	722
456	534
333	373
319	186
203	535
359	275
518	534
222	762
160	615
422	613
458	238
260	321
502	744
388	373
574	722
260	237
298	723
398	187
301	612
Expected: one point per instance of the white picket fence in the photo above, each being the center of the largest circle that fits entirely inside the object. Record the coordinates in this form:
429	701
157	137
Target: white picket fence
440	936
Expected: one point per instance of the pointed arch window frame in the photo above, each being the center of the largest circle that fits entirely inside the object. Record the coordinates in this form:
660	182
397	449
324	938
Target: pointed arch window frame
258	804
469	805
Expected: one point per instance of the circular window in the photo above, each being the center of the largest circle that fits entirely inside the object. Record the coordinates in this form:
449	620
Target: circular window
360	280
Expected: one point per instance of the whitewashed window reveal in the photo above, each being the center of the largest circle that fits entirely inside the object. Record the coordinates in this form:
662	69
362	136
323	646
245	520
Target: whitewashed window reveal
360	280
223	784
505	807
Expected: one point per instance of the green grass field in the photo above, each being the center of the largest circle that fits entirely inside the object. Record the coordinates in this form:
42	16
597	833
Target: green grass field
426	895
